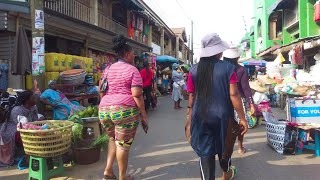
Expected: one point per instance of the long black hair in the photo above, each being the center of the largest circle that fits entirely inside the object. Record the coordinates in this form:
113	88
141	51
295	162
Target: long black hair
120	45
204	82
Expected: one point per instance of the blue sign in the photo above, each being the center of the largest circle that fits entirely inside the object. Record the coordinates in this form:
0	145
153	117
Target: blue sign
305	112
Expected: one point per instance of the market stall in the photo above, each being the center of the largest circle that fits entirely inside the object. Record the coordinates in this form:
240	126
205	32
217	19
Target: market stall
294	85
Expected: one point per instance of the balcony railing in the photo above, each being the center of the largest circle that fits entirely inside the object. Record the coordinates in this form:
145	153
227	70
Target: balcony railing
109	24
81	11
72	8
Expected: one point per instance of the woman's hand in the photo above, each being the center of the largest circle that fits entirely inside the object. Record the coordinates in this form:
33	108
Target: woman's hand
243	126
145	123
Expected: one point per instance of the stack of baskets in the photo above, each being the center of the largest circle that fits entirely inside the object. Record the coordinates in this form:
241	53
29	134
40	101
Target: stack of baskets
73	76
49	142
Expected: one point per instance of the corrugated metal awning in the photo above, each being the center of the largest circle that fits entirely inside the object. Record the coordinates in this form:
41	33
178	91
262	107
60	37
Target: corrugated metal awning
15	6
279	4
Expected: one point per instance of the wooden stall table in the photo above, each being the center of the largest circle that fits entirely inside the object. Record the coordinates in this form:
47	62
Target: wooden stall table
307	144
82	98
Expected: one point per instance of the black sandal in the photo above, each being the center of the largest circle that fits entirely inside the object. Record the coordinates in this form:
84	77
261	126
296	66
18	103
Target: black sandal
106	177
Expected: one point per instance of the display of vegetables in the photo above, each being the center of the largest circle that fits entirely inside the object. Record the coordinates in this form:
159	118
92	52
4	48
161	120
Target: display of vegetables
88	112
75	118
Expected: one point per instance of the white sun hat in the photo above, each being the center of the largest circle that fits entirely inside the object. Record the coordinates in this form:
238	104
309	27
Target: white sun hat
232	53
211	45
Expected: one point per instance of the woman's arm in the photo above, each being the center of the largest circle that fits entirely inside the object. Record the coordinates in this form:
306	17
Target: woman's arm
188	122
138	98
238	106
45	101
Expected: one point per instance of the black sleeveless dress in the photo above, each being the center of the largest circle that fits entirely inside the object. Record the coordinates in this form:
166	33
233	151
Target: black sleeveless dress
216	131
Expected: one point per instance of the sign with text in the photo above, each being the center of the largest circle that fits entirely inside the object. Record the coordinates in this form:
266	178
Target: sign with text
305	111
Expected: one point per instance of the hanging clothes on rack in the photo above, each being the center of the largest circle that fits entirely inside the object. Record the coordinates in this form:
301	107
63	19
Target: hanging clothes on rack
297	58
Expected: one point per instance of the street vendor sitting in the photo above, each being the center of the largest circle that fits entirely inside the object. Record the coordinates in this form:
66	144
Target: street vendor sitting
61	106
26	106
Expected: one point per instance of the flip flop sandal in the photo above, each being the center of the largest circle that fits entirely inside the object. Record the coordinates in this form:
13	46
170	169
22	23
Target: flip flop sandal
234	172
243	151
109	177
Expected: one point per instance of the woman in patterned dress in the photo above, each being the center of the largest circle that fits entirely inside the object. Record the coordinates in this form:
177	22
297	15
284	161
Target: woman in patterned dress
121	107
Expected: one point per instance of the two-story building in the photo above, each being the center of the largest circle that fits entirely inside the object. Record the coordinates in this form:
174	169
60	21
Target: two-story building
281	24
86	27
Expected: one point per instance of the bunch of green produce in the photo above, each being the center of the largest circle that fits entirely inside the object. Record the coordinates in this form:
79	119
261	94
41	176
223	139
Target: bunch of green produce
88	112
76	132
102	141
75	118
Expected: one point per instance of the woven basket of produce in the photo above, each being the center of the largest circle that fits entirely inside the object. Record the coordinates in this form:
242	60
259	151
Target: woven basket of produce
46	138
73	78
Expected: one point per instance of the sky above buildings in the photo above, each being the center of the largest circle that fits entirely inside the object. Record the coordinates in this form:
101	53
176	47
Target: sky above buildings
225	17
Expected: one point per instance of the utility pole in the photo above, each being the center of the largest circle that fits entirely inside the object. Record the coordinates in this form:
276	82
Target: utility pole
38	44
192	42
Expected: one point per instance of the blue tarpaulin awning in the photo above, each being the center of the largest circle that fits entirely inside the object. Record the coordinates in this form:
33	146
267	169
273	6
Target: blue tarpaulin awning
255	63
167	59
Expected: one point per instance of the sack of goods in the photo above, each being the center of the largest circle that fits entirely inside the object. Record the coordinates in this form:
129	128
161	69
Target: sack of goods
73	76
282	137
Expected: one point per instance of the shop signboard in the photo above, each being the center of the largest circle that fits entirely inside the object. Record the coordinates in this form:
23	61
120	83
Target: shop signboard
156	49
305	110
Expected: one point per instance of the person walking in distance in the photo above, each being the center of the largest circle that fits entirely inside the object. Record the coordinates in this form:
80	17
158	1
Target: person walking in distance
121	107
232	56
210	126
147	79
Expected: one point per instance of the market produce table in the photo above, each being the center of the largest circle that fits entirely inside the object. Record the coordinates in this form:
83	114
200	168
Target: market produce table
80	97
304	139
69	91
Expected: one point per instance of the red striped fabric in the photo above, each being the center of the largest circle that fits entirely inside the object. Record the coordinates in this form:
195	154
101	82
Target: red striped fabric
121	78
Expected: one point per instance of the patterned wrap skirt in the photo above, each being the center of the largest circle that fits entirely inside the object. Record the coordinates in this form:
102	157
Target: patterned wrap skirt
121	124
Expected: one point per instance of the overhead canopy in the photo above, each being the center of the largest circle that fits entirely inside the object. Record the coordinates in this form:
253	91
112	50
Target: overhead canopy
255	62
15	6
133	4
279	4
167	59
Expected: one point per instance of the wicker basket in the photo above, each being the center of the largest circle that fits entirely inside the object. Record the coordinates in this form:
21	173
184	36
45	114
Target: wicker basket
73	79
47	143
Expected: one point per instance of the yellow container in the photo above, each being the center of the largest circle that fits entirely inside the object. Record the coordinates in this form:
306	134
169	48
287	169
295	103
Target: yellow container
89	65
51	76
29	84
62	62
95	78
52	62
69	62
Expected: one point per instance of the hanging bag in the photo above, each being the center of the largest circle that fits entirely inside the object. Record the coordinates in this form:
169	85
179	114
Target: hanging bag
317	12
104	81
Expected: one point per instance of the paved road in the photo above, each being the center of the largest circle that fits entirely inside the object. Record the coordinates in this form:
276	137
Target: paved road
163	154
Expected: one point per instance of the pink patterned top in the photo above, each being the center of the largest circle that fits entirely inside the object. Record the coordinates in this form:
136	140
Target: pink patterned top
122	77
